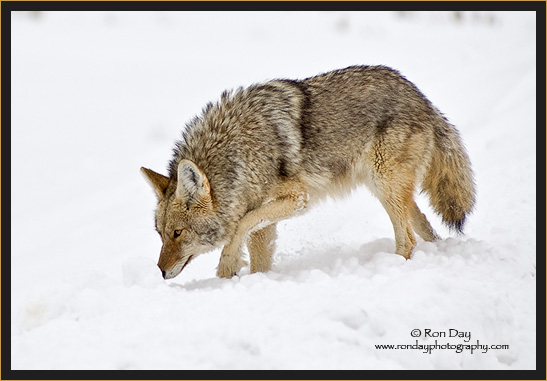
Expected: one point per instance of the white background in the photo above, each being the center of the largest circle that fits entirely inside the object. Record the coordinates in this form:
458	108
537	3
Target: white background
96	95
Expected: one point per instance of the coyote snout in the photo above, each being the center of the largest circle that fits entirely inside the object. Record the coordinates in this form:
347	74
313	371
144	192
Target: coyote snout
267	152
171	263
171	270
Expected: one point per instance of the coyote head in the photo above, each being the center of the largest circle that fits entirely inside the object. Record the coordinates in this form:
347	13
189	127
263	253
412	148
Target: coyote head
185	217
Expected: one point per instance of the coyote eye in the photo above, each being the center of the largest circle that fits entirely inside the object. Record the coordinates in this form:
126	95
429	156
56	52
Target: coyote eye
177	233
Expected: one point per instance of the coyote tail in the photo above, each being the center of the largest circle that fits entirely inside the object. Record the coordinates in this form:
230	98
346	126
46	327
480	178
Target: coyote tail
449	178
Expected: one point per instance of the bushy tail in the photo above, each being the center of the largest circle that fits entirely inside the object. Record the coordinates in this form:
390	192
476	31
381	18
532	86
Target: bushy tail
449	179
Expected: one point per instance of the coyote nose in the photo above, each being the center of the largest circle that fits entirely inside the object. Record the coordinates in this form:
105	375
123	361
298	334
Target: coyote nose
163	274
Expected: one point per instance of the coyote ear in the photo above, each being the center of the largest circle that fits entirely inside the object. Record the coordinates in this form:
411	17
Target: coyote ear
157	181
192	185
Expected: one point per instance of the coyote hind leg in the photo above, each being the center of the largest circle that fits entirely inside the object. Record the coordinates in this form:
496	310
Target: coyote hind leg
395	190
421	225
396	158
396	205
261	245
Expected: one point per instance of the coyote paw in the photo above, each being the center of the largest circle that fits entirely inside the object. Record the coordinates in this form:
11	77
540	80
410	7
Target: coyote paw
229	266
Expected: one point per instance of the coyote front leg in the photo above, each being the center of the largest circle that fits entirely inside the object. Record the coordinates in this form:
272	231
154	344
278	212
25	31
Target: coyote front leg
261	245
288	199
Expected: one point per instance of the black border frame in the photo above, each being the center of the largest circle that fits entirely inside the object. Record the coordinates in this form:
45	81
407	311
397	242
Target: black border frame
6	373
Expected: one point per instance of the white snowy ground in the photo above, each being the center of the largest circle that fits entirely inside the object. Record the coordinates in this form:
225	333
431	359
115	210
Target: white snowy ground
96	95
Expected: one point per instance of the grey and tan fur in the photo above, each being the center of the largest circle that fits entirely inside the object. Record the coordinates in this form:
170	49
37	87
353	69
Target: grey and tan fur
267	152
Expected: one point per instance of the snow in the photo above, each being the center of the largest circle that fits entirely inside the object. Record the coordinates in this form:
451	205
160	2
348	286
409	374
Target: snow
96	95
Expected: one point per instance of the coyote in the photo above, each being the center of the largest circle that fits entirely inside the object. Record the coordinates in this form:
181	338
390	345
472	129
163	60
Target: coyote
268	152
